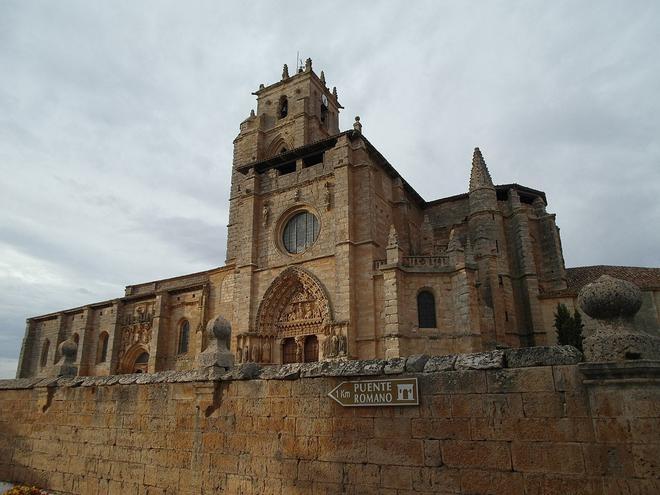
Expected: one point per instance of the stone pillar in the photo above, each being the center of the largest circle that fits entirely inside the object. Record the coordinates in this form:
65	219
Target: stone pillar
622	382
85	351
613	303
554	271
531	326
158	348
217	353
343	299
114	338
248	218
66	366
28	359
61	336
200	340
392	296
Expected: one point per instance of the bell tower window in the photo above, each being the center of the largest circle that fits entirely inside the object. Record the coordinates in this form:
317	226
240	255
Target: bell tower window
324	111
283	108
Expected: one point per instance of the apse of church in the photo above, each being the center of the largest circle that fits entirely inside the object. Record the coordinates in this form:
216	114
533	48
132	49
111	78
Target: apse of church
331	254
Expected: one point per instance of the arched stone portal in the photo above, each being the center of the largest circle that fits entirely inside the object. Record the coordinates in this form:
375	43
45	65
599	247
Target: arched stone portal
136	360
295	305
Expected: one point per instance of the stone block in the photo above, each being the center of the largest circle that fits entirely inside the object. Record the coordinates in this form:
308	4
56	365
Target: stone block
492	482
471	454
542	356
520	380
245	371
441	429
395	451
541	457
399	477
439	363
453	382
283	372
415	364
394	366
480	361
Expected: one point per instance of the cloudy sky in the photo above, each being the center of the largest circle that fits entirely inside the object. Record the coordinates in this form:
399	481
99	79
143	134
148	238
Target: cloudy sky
117	120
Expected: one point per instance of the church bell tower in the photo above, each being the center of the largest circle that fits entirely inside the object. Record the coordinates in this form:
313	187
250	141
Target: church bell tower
298	110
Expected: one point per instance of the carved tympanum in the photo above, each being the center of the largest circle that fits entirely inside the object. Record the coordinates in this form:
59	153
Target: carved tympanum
295	304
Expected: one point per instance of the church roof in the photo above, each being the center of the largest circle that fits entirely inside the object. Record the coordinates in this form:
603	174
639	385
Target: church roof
645	278
578	277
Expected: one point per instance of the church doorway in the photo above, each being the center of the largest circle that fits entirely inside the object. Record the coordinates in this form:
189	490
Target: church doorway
289	351
136	360
311	349
295	308
141	363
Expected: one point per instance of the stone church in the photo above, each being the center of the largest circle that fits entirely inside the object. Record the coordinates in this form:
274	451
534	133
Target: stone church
331	254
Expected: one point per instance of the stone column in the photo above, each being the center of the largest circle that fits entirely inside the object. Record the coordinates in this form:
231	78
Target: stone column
613	303
66	366
85	351
158	347
217	353
114	338
248	219
392	297
531	326
622	383
28	358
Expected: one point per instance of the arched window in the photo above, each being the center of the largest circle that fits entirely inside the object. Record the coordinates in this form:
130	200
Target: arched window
44	353
184	335
283	109
311	349
102	352
289	351
426	309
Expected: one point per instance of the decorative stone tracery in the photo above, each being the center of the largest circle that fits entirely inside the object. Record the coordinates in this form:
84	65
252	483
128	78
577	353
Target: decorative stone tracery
135	337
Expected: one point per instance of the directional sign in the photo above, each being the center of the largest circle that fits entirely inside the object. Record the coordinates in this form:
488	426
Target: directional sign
392	392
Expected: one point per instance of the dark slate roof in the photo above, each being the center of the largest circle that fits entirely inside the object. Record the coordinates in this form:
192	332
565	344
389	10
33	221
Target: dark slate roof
578	277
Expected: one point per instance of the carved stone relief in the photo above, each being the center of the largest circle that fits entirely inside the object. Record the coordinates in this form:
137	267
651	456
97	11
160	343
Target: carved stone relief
295	304
136	329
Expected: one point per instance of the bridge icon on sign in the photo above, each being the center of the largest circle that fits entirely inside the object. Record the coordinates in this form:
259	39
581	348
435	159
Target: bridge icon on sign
405	391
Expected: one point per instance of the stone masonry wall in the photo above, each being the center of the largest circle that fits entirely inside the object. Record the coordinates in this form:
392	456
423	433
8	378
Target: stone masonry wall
514	422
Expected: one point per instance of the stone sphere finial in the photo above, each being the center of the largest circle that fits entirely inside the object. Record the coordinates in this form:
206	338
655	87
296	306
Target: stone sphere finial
66	365
68	349
609	298
217	353
613	303
219	329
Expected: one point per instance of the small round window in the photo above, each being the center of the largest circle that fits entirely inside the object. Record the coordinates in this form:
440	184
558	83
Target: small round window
300	232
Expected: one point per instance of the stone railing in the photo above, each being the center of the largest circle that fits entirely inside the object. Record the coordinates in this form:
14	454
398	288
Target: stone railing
424	261
417	262
379	263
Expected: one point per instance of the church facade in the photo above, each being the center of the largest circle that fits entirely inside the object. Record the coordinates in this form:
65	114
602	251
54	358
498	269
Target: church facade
331	254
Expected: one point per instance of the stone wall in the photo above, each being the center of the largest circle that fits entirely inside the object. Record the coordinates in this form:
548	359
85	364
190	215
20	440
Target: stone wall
527	421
